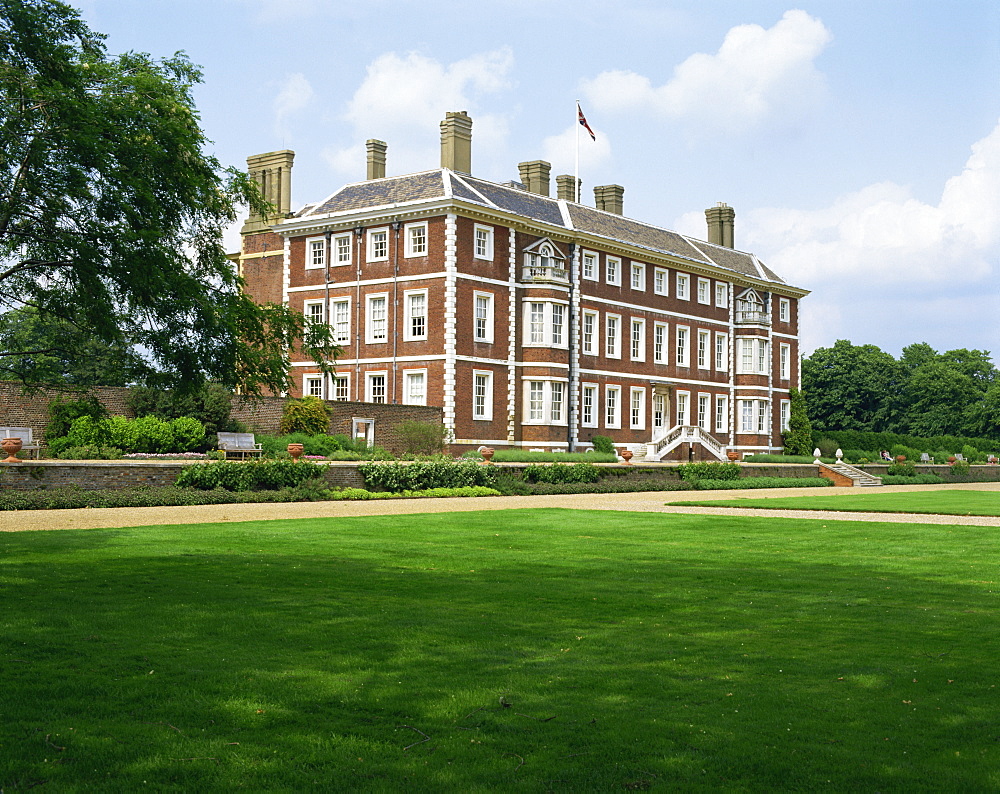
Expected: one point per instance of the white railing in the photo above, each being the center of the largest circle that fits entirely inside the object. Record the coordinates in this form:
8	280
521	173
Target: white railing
556	274
752	317
669	440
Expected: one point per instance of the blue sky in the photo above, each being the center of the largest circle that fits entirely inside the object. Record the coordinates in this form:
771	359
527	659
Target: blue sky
858	140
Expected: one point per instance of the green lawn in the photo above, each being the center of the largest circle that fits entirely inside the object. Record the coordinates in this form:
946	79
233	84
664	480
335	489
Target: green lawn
525	650
951	503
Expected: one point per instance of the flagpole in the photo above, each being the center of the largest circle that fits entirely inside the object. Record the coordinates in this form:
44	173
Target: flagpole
576	123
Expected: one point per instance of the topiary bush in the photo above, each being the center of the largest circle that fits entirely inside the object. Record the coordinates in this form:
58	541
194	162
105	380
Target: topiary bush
145	434
603	444
257	475
709	471
562	472
422	438
904	469
419	476
762	482
309	415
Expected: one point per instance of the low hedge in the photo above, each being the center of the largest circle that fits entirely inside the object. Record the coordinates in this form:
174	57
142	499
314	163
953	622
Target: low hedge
422	475
524	456
71	497
762	482
360	494
563	472
257	475
709	471
916	479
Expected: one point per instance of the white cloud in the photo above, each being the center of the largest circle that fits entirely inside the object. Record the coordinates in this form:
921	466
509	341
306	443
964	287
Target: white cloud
404	97
294	94
560	150
758	75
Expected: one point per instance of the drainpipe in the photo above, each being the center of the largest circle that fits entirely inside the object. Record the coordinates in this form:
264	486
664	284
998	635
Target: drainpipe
396	225
359	237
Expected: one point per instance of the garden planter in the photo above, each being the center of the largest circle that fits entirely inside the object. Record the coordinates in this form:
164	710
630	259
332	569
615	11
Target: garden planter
626	456
901	459
733	455
295	450
11	446
487	453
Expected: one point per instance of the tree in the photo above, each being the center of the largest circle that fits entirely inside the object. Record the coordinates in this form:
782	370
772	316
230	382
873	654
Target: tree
798	437
941	400
112	214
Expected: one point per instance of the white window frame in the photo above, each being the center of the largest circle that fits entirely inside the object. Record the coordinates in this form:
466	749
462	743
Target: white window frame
370	338
482	331
590	265
410	230
682	346
784	412
541	403
308	305
784	310
482	403
661	281
661	343
721	294
637	341
312	386
704	348
638	276
614	349
637	408
546	331
315	245
613	271
659	411
341	384
370	386
683	288
784	360
754	356
721	413
408	317
589	341
341	244
408	377
588	404
721	352
341	328
482	245
705	291
704	415
373	238
612	407
557	330
682	407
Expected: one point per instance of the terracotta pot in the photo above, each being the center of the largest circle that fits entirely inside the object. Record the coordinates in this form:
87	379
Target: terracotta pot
733	455
900	458
295	450
951	459
11	446
487	453
627	456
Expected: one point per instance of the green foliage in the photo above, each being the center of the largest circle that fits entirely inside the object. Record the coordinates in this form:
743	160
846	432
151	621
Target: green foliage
938	445
526	456
762	482
335	447
145	434
257	475
422	438
561	472
905	469
603	444
960	468
914	479
709	471
765	458
798	436
210	404
90	453
309	415
63	412
398	477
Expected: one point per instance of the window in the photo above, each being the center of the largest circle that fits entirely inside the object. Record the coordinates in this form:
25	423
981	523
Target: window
484	242
722	352
753	416
415	235
589	332
612	406
375	387
556	401
661	283
589	265
341	249
483	324
785	407
545	402
612	330
784	310
536	323
761	356
312	386
659	411
415	387
638	340
378	245
340	312
784	352
660	343
558	311
682	407
704	344
341	387
721	413
721	295
315	253
704	415
761	416
683	286
313	310
637	408
704	291
546	324
588	417
482	395
682	346
638	276
416	315
614	270
753	358
377	328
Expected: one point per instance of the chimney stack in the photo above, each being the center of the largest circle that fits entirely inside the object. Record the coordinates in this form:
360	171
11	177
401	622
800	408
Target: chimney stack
610	198
456	142
720	224
272	171
376	158
535	176
567	186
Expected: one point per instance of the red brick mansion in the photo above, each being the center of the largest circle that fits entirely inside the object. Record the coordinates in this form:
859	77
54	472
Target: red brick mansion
533	321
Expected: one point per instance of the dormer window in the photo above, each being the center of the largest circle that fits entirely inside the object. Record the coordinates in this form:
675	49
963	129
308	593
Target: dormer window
543	261
750	308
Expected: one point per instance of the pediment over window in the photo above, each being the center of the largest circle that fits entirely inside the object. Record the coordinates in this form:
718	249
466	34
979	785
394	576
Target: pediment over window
544	261
751	308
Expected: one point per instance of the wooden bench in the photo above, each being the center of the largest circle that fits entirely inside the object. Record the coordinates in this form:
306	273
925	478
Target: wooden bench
239	444
26	435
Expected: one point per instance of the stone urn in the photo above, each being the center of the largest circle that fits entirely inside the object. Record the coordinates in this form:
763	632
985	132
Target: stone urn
900	458
11	446
487	453
626	456
951	458
733	455
295	450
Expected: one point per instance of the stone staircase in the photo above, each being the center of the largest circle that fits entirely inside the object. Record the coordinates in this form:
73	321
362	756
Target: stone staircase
857	477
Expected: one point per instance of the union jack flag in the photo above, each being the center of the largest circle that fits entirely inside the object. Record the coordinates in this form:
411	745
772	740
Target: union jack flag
583	121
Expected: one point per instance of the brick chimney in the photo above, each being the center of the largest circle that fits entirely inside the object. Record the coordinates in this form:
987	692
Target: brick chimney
535	176
376	158
720	224
610	198
566	187
456	142
272	171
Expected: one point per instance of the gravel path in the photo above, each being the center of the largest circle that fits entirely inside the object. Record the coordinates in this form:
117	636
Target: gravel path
647	502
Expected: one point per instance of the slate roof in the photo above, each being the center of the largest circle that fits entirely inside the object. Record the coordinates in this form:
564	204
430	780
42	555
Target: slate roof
442	183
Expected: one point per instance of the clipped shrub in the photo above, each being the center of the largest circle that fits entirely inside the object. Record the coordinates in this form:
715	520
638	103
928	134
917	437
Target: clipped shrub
309	415
210	404
709	471
257	475
762	482
916	479
827	447
398	477
603	444
63	412
905	469
526	456
422	438
798	437
960	468
561	472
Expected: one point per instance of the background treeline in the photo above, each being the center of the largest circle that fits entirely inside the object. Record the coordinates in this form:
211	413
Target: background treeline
954	395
